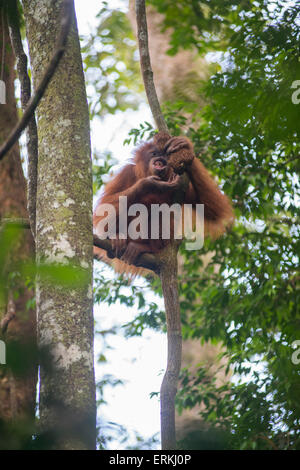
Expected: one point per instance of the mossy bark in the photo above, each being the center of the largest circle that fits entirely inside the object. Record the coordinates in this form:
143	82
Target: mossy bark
63	233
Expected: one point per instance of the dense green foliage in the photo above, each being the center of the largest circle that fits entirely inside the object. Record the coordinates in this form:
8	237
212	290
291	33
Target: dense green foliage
248	136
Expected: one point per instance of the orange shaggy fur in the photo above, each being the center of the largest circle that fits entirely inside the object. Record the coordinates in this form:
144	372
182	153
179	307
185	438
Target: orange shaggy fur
135	180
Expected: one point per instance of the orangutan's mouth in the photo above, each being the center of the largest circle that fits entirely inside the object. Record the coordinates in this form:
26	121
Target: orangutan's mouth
159	163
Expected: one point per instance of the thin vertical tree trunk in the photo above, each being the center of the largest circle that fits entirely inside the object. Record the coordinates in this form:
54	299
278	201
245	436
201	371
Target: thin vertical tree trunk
178	79
17	391
63	233
168	257
168	276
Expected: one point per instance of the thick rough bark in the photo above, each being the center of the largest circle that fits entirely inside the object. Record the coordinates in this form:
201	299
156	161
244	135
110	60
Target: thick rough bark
17	392
63	233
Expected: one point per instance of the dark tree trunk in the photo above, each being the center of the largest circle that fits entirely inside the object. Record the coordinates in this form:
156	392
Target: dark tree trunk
18	326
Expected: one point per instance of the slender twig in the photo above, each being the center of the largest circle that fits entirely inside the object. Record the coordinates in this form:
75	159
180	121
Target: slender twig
142	34
31	131
10	314
48	74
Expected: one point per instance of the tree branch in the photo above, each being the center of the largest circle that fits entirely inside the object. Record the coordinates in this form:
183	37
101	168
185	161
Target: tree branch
49	72
142	35
32	136
146	260
10	314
